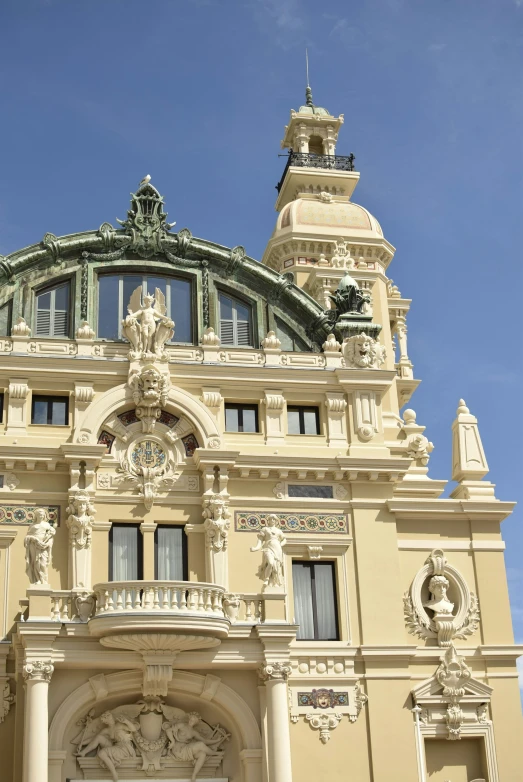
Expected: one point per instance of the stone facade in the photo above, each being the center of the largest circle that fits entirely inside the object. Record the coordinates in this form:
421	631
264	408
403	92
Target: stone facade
324	613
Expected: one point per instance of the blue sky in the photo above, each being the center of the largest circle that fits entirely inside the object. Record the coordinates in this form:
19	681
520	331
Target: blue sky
96	94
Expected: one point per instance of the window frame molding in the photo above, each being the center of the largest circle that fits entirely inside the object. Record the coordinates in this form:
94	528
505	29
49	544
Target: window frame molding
50	398
247	298
185	550
311	564
46	287
334	551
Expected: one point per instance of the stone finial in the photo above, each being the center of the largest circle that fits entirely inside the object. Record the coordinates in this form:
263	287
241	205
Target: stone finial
331	344
469	464
271	341
409	416
210	338
20	329
84	331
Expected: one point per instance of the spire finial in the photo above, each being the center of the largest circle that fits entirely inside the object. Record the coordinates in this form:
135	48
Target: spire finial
308	91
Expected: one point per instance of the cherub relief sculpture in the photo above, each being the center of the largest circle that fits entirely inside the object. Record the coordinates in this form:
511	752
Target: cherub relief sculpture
147	327
216	523
363	351
38	548
271	541
152	732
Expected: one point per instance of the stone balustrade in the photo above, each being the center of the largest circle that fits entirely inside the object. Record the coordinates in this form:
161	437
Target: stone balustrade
170	596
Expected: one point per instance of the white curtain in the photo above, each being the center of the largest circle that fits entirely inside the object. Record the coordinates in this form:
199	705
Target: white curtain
302	586
169	553
125	552
325	600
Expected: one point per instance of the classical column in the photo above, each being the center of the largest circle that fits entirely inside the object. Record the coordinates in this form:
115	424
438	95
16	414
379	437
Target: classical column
37	675
275	675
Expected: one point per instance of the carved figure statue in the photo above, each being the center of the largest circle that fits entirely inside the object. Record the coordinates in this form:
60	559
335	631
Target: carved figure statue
38	548
439	603
152	733
271	541
113	742
217	523
363	351
80	520
349	297
147	327
150	389
187	743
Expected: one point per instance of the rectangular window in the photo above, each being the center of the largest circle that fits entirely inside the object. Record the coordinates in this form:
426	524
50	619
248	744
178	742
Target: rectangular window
50	410
1	408
125	553
235	322
170	548
5	319
241	418
118	289
315	603
303	420
52	312
319	492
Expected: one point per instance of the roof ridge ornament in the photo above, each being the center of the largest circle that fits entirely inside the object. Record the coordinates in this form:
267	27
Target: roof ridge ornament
146	220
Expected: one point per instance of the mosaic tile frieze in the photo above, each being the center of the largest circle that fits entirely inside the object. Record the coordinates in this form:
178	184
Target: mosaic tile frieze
326	523
323	699
23	515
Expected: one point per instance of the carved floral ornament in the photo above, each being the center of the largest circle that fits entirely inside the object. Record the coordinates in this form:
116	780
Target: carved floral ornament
6	698
150	736
38	669
429	610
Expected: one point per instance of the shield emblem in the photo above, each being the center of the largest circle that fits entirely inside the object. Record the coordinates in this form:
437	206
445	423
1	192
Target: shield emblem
151	725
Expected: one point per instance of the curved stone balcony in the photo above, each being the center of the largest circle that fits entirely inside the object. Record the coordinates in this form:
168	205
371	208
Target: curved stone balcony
191	613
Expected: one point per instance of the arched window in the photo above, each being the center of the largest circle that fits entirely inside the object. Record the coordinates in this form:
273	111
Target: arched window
5	318
52	311
288	338
115	291
235	322
316	145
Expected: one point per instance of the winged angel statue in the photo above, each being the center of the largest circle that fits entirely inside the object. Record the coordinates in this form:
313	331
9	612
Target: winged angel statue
147	326
152	729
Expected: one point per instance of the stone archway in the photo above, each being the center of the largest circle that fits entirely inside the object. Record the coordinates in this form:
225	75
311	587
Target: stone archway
126	686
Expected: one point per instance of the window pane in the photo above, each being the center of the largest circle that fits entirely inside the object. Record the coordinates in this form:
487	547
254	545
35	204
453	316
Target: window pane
169	553
61	301
4	319
302	586
181	310
124	552
325	601
130	283
231	419
39	411
156	282
249	419
108	315
310	424
44	301
225	308
59	412
293	421
242	313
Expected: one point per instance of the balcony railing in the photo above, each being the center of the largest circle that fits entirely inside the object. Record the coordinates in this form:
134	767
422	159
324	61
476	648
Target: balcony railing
170	596
310	160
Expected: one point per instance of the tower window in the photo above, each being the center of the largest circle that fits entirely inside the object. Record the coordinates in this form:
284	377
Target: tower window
315	603
303	420
316	145
235	322
52	312
118	289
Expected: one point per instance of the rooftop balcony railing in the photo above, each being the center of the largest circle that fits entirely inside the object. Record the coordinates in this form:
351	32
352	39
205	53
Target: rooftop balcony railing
310	160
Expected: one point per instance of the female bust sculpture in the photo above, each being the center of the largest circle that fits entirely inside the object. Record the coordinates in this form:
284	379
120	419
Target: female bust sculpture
38	546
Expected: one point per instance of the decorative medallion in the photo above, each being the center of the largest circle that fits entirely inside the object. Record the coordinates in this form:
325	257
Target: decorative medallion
147	454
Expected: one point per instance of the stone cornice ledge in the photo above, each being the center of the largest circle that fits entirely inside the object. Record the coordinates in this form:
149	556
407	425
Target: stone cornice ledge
501	651
379	651
494	510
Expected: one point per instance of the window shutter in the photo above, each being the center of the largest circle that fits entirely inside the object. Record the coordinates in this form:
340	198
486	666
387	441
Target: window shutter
243	333
43	323
227	332
60	325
